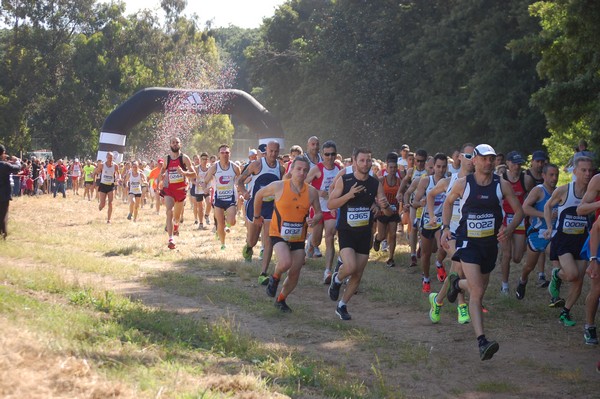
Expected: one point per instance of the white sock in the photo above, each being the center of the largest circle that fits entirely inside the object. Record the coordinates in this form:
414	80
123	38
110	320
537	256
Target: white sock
341	303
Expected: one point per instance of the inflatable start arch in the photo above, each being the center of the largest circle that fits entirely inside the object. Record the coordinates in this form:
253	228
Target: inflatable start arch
237	103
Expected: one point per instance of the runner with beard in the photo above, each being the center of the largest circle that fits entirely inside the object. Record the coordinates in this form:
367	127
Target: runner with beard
174	181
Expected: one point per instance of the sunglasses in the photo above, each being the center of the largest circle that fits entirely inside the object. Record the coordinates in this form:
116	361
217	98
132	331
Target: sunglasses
330	154
420	160
224	152
467	155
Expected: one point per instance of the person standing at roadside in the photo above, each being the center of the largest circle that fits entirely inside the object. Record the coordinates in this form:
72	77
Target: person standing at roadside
60	174
8	166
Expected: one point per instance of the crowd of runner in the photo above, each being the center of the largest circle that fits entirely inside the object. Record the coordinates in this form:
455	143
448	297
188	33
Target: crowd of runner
469	210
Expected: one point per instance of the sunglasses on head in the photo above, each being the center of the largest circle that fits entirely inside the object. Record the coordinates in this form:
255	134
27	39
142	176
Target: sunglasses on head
467	155
330	154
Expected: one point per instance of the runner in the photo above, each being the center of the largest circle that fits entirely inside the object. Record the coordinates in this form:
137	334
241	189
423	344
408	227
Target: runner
321	177
431	221
173	182
436	300
479	230
408	187
514	248
538	160
261	172
201	191
225	174
591	203
109	174
354	194
134	180
387	225
534	208
88	179
292	199
75	173
313	151
567	243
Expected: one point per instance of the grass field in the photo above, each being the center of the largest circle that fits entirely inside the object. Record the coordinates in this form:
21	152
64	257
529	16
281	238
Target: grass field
95	310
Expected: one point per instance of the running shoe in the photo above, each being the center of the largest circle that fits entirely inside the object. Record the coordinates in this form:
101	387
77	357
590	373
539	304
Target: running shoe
488	349
390	263
207	220
384	246
542	282
260	254
520	292
565	319
327	277
223	247
413	260
441	273
342	311
171	244
426	287
484	309
281	305
272	286
334	288
504	291
227	228
247	253
129	216
317	253
376	244
463	314
201	226
175	230
453	288
195	222
263	279
555	283
556	302
309	249
590	336
338	265
434	308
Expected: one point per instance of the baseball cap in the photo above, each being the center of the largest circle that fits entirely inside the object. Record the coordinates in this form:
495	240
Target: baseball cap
160	160
484	149
515	157
539	156
252	152
262	148
404	147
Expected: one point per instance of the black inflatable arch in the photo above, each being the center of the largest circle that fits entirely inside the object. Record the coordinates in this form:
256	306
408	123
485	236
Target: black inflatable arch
237	103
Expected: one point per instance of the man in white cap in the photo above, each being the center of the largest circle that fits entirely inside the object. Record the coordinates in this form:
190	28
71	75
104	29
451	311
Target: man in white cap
479	230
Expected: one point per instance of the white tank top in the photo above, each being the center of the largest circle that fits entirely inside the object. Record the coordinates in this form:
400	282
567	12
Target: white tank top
200	184
135	183
224	182
108	175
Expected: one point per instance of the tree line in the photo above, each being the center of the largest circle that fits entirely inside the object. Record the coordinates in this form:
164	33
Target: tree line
518	74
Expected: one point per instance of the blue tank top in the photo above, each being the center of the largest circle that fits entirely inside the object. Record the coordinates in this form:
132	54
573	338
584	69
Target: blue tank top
481	211
266	176
536	222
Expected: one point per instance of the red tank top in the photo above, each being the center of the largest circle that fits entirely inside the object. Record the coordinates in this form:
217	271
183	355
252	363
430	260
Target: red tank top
518	188
176	179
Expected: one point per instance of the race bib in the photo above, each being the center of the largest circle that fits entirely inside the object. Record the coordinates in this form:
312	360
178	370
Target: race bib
292	231
175	176
426	219
224	194
135	187
480	226
358	217
509	219
108	179
574	224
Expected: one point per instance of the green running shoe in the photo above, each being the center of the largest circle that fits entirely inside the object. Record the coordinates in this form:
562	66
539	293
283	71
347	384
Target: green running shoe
247	253
263	279
435	309
555	283
565	319
463	314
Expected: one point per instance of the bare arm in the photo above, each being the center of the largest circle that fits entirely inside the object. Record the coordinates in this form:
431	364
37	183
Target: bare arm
588	202
528	205
512	199
455	193
274	189
439	188
209	174
248	172
314	202
556	198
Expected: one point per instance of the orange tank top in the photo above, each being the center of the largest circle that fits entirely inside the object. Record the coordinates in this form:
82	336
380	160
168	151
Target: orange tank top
289	214
391	191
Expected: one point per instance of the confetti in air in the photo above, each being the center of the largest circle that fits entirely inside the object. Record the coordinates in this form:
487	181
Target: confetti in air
186	111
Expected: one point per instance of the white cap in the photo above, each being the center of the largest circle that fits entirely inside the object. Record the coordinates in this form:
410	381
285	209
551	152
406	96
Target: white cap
252	152
76	159
484	149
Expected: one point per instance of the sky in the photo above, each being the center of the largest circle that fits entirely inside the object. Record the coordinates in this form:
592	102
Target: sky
242	13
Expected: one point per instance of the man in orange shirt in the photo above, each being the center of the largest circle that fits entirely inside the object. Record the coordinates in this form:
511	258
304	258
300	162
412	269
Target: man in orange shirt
50	179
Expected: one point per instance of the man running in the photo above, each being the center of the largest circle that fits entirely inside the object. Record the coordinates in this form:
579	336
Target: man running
387	225
261	172
173	178
567	243
134	180
534	208
109	174
477	235
225	174
436	300
431	221
292	199
355	194
202	192
408	187
321	177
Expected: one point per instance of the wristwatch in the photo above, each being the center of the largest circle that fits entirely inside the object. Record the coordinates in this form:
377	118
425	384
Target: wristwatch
445	226
593	258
